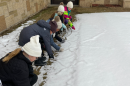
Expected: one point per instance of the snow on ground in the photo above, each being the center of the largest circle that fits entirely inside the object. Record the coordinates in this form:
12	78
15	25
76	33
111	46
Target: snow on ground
97	53
9	42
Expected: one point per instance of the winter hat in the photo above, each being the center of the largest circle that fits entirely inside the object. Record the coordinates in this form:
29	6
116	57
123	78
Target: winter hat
60	8
59	24
61	3
53	26
70	4
58	21
33	48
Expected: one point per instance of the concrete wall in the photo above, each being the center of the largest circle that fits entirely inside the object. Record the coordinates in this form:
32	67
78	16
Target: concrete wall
14	11
88	3
126	3
120	2
85	3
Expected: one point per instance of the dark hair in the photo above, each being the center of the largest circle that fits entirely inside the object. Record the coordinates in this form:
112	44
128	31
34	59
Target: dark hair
61	3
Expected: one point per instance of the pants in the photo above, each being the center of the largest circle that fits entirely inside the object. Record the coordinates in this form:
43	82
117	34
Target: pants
57	37
53	44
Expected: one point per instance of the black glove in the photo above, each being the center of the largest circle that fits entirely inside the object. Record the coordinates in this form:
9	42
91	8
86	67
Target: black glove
51	56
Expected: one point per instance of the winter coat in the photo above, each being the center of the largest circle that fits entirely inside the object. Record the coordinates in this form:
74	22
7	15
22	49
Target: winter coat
67	16
41	28
17	72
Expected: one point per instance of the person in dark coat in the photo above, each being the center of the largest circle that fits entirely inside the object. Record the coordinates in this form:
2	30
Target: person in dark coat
16	67
41	28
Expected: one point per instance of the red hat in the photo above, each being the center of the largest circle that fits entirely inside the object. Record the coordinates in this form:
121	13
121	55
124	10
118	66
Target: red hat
53	26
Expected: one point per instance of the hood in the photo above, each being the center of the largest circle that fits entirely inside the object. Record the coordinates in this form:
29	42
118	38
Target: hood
44	24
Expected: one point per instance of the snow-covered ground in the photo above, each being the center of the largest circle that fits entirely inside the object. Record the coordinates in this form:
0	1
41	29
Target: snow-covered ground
97	53
9	42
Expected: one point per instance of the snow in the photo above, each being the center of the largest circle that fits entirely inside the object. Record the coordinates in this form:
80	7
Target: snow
9	42
95	54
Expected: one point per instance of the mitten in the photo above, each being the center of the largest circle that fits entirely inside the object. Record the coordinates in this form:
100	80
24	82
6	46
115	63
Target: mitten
61	50
70	17
73	27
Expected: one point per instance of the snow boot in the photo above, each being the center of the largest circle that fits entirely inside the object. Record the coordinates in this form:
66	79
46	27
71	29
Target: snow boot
39	63
42	58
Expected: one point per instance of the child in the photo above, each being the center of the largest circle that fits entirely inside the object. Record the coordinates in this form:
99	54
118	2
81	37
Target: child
67	16
59	13
59	24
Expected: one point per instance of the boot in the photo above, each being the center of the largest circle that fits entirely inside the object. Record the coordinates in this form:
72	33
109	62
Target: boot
63	40
42	58
39	63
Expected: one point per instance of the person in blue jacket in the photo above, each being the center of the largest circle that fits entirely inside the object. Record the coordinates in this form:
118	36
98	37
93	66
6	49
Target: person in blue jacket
41	28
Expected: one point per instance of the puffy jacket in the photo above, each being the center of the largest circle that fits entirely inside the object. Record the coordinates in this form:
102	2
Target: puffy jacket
41	28
17	72
67	15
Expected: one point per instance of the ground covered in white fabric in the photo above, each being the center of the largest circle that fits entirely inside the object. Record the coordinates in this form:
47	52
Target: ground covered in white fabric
97	53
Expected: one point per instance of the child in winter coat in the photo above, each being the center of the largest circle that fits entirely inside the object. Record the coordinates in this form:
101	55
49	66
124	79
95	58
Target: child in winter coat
67	16
16	67
59	24
59	13
41	28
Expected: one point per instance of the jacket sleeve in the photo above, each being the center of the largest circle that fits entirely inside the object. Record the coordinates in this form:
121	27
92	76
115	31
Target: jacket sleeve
21	78
66	15
47	44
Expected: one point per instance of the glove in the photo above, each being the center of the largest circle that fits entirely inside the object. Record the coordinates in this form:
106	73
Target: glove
54	35
73	27
61	50
70	17
51	56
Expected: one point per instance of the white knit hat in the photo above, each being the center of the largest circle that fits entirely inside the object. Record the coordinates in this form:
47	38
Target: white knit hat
70	4
33	48
60	8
